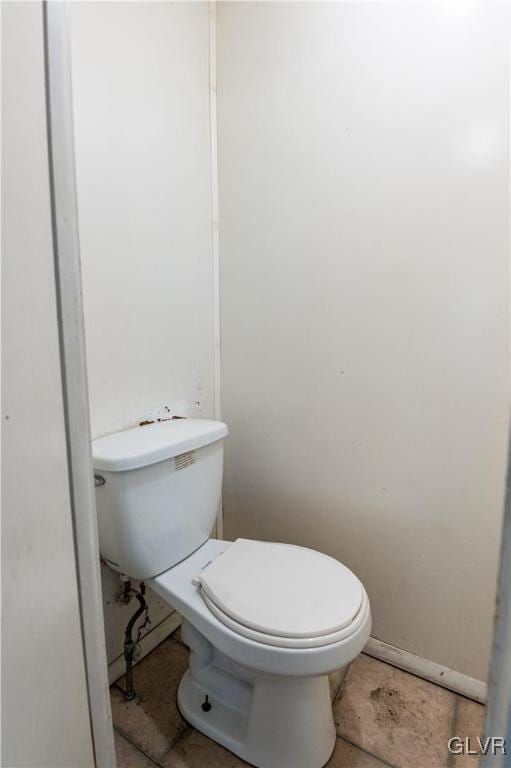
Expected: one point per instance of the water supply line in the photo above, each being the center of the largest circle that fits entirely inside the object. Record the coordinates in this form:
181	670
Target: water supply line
131	646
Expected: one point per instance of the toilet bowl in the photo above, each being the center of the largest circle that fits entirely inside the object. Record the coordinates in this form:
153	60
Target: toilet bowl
266	623
269	699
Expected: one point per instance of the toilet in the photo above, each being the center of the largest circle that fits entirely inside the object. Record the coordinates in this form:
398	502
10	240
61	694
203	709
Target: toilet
266	623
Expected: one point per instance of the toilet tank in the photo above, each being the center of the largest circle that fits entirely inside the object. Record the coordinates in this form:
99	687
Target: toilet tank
158	491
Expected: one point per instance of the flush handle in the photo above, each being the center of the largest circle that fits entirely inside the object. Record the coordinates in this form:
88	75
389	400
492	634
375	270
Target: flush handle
99	480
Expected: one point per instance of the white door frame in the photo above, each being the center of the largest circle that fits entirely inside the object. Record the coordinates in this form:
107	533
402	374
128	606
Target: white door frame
59	108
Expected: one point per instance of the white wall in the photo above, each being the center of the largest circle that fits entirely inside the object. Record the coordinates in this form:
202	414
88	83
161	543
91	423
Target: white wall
364	238
45	714
141	98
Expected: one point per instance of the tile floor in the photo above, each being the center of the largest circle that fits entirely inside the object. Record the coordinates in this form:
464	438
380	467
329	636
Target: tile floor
383	716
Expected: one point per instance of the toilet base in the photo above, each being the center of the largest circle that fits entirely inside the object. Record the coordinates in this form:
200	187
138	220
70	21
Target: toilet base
269	721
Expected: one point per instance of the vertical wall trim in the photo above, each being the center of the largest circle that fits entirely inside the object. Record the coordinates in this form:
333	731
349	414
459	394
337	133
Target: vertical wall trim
498	716
59	109
498	710
215	225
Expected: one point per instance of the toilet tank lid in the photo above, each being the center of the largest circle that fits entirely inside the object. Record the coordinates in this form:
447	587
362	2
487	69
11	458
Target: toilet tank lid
148	444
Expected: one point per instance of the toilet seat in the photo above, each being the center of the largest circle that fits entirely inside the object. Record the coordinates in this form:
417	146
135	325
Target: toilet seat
291	642
283	595
180	586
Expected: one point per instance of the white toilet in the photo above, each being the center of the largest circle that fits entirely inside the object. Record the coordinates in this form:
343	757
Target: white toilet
266	623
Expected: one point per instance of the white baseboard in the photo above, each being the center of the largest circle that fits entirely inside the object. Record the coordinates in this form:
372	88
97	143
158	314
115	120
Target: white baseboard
429	670
117	667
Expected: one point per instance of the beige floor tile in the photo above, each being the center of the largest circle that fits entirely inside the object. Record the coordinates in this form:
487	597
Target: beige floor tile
396	716
469	723
195	750
152	720
128	756
345	755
